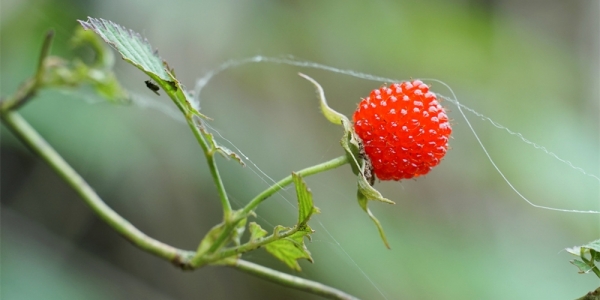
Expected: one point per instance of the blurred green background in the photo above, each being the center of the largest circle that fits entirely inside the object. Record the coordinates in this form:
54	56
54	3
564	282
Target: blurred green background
458	233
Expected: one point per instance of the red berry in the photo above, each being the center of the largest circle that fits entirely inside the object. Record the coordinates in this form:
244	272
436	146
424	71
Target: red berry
404	130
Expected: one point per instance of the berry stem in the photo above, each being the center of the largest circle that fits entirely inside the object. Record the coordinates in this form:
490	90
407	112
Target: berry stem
325	166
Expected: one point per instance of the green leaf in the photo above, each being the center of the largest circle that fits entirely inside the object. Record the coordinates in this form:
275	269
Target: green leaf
137	50
584	249
225	152
305	202
290	249
583	267
595	245
256	232
363	202
131	45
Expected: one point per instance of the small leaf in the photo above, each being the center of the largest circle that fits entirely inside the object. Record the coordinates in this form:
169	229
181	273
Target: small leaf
583	267
583	249
130	44
225	152
256	232
595	245
363	202
290	249
305	202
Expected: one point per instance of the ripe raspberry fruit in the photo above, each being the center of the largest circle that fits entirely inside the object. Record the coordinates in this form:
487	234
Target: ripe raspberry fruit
404	130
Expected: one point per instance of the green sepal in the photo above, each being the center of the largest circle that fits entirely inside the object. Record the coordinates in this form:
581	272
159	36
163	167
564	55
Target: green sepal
364	202
360	166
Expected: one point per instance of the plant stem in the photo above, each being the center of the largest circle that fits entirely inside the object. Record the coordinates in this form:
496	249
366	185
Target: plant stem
200	260
328	165
37	144
212	164
29	88
290	281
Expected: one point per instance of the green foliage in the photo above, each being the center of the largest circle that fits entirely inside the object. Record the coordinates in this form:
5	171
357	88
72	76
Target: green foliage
138	52
586	264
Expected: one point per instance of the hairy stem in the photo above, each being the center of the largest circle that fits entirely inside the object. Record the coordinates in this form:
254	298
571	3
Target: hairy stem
291	281
37	144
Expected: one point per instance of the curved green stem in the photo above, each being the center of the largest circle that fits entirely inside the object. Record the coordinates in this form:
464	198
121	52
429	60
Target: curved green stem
212	164
37	144
328	165
219	242
291	281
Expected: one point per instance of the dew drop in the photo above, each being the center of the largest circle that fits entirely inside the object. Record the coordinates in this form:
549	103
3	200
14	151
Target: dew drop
405	98
418	92
403	112
435	120
418	103
392	111
393	98
383	103
416	109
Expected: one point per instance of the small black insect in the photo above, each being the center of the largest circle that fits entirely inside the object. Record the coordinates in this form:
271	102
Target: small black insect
153	87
